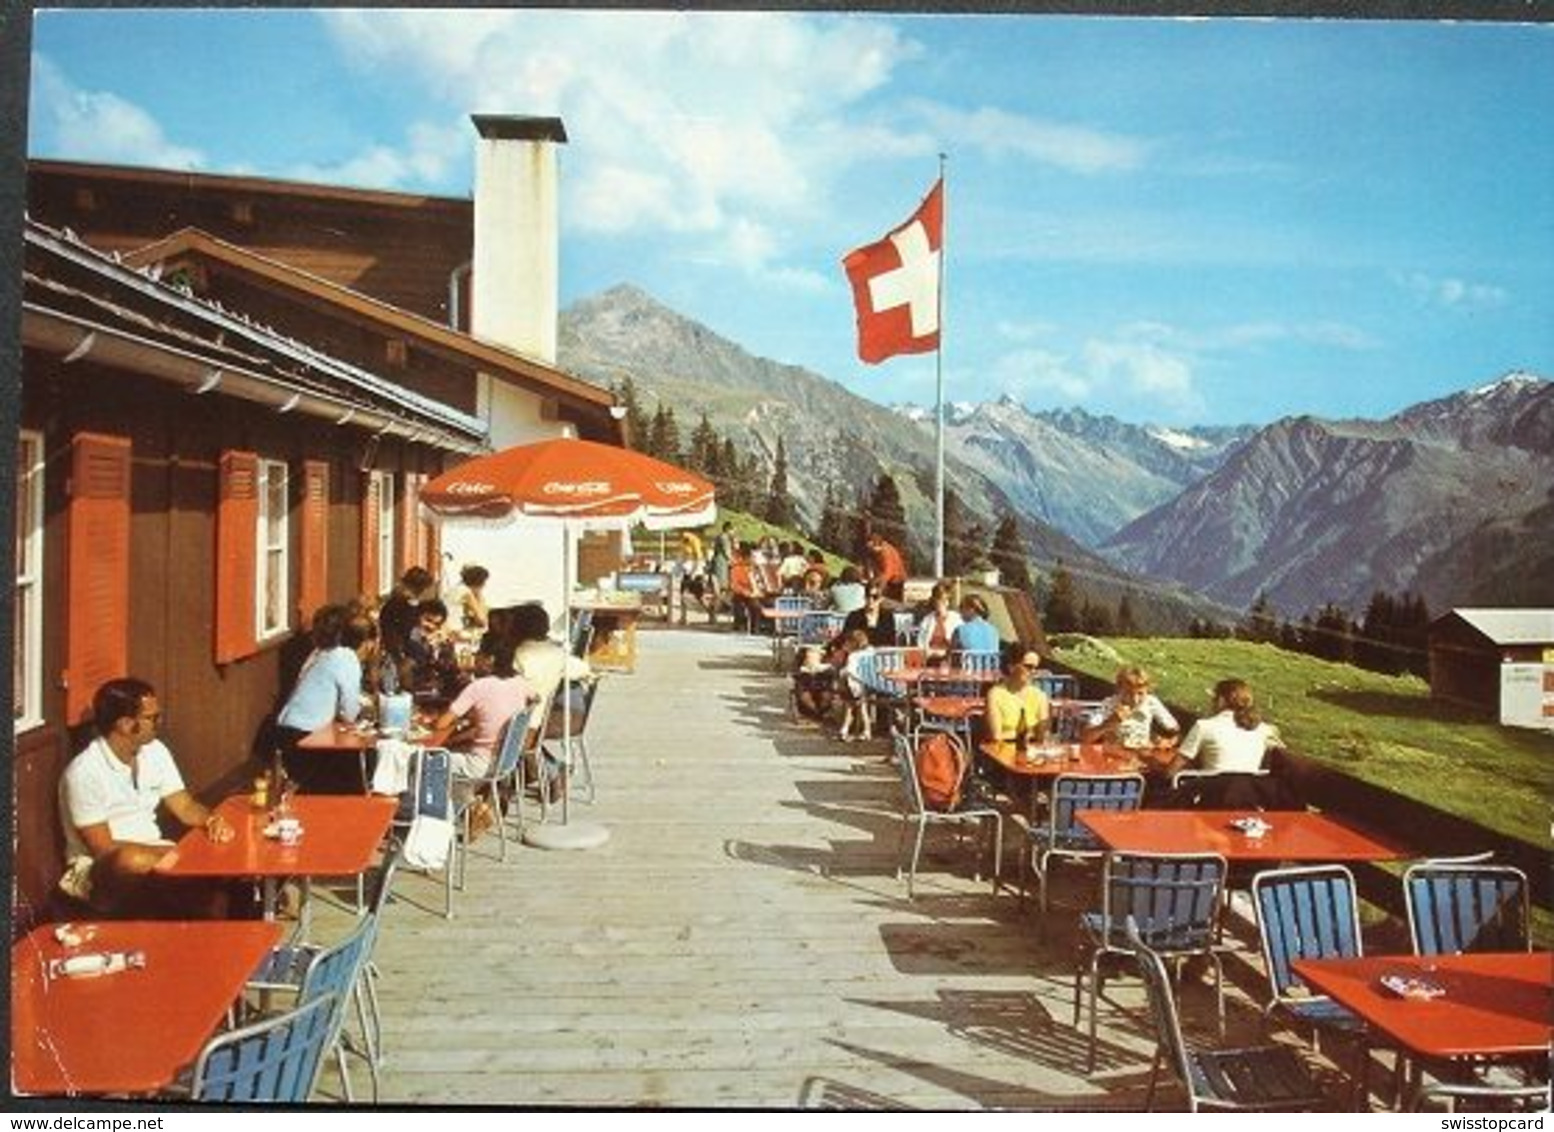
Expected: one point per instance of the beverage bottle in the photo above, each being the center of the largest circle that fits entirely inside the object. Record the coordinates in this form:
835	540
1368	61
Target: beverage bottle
1022	732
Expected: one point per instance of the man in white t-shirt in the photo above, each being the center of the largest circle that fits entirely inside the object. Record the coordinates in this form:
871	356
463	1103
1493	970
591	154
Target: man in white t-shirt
108	801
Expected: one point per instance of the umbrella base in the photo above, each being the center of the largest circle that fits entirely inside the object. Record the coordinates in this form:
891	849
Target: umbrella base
573	835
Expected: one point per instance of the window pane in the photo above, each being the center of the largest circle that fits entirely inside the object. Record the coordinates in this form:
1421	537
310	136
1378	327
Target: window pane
19	698
274	590
275	506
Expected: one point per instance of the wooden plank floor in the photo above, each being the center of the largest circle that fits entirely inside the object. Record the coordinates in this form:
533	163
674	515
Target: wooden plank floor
742	940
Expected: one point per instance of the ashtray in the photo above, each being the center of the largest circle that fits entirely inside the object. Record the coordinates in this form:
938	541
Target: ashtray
95	963
1411	986
1251	827
288	831
74	935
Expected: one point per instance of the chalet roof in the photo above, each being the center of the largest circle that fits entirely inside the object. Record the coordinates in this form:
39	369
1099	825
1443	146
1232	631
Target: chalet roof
506	364
76	298
1509	626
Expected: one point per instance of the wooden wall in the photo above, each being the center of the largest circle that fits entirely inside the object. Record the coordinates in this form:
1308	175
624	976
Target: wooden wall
212	713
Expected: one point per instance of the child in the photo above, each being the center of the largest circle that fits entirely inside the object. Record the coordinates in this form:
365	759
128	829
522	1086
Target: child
814	685
858	650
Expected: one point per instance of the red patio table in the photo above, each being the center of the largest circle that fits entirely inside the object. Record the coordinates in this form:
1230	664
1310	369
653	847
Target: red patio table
340	836
1292	836
131	1031
340	738
1493	1004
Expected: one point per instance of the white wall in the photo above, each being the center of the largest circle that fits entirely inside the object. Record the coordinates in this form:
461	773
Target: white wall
516	269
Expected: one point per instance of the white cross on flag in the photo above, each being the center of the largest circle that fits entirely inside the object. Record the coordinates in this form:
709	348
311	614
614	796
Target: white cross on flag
895	285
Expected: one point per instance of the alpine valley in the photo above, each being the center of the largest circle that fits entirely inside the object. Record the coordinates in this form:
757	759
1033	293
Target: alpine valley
1452	498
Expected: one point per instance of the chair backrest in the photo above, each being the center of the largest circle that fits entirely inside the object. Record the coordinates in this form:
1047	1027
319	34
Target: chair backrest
1069	717
272	1062
1072	793
973	660
581	695
1056	686
906	626
432	780
939	686
1162	1006
1455	908
906	767
1305	913
819	626
510	749
1172	899
333	971
791	603
582	632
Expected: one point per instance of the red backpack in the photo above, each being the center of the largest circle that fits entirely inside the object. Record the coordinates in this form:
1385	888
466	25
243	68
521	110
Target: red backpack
939	771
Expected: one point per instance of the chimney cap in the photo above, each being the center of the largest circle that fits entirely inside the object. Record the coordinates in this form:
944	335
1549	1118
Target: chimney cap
519	127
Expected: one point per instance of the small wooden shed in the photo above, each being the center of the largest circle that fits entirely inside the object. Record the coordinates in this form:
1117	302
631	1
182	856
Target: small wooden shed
1480	656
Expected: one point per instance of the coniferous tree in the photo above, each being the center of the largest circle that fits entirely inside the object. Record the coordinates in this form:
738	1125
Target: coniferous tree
1062	613
885	512
1333	634
960	554
1095	619
664	435
637	424
705	450
779	504
1008	554
833	533
1127	625
1262	621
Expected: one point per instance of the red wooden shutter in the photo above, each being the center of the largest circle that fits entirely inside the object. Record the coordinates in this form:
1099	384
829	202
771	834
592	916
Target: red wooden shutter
417	550
369	555
97	633
237	525
313	587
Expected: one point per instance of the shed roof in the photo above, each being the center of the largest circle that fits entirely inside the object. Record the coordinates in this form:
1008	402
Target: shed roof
1509	626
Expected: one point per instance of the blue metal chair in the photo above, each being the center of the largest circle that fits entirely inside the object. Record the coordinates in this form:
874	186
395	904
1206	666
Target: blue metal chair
972	660
573	746
906	626
582	632
1056	686
1063	836
1266	1078
430	796
271	1062
1170	901
819	626
503	773
1068	719
1461	908
916	812
1311	913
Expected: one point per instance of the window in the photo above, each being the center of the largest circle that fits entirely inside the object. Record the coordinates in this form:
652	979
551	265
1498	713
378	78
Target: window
271	545
383	494
27	644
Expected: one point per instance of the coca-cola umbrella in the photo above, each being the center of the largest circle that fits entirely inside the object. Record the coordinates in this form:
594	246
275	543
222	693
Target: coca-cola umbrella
577	484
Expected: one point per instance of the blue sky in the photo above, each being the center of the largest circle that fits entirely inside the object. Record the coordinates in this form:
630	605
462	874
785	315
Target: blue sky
1177	221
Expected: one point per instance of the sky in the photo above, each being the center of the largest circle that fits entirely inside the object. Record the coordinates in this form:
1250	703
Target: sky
1174	221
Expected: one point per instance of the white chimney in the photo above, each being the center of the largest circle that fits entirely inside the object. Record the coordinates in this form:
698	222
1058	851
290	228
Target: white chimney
515	289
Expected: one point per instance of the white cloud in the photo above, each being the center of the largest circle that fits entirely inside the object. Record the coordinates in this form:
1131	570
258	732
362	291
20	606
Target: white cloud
98	125
1026	330
430	151
1077	149
724	174
1450	293
1248	335
1048	375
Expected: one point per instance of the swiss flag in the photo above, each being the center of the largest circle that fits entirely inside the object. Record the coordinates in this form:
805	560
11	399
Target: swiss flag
895	285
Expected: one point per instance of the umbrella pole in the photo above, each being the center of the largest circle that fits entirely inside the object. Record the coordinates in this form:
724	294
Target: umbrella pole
566	698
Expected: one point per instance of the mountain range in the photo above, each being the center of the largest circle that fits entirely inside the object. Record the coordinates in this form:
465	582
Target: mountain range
1445	497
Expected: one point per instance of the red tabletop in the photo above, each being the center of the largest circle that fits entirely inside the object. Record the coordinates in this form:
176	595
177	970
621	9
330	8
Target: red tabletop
341	738
951	707
1052	759
1294	836
341	834
911	674
129	1032
1495	1004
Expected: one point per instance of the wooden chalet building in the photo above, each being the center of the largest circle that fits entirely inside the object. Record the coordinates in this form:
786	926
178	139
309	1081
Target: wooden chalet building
232	390
1475	652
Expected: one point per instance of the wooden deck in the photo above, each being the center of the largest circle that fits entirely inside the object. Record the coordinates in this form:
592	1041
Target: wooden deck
743	940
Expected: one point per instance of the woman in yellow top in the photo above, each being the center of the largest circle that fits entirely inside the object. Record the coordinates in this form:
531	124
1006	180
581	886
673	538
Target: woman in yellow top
1015	696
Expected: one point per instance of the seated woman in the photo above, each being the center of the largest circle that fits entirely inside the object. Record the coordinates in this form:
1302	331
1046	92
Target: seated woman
814	684
470	599
329	688
873	620
1235	738
483	709
1015	705
975	633
937	628
544	664
1132	716
847	592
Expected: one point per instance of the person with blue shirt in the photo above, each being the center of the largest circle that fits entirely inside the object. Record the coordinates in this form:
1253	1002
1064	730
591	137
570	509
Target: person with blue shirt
329	687
975	633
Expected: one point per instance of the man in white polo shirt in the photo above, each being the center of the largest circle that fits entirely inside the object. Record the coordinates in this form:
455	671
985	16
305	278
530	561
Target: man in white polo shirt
108	800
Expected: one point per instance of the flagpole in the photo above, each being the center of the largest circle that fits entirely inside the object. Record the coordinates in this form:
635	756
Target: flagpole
938	551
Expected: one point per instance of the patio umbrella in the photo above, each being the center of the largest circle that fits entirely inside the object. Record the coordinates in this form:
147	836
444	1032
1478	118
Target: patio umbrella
577	484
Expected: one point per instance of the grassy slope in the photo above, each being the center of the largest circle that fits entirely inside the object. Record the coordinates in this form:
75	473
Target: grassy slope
1381	729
